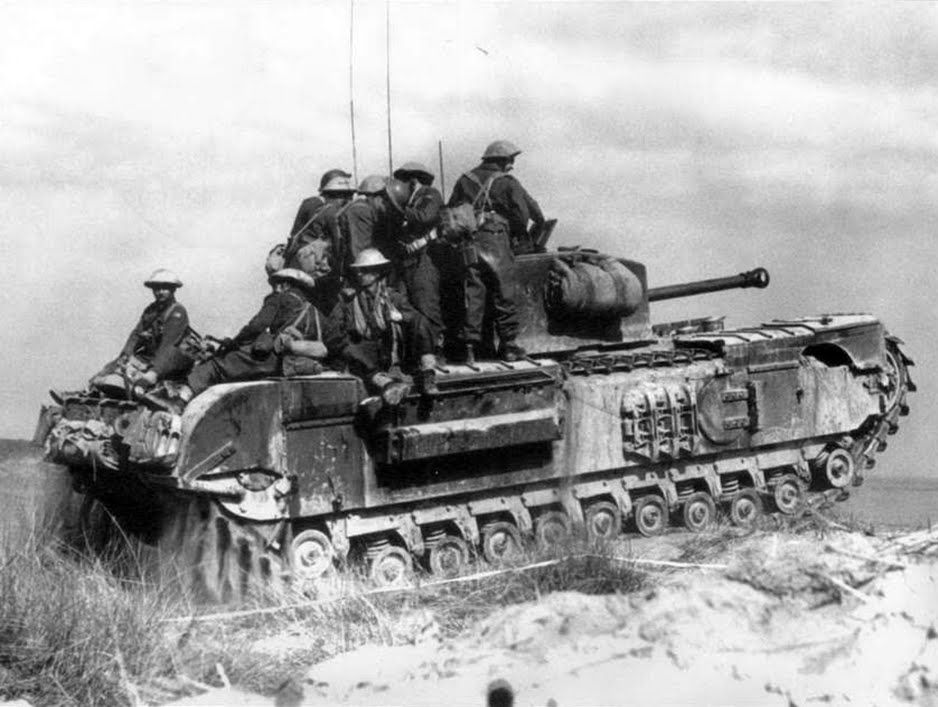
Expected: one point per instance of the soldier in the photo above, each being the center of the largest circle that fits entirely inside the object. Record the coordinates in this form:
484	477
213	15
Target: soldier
505	195
373	328
362	224
152	353
311	205
415	249
491	279
255	352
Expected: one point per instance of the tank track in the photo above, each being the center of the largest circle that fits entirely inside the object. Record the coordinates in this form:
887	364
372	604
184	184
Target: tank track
227	558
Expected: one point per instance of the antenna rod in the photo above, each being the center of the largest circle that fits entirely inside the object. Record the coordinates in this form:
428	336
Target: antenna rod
439	147
351	88
387	64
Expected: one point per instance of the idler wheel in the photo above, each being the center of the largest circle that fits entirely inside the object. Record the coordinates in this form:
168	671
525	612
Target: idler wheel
603	521
788	494
894	380
651	515
552	530
839	468
745	508
501	542
311	554
391	567
449	556
699	511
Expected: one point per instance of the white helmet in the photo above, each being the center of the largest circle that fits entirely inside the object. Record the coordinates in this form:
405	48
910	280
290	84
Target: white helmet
163	278
370	258
293	275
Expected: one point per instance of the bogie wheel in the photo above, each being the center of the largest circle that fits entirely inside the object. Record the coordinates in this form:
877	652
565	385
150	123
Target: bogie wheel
651	515
839	468
391	567
449	556
501	542
552	530
311	554
745	508
603	521
698	511
788	494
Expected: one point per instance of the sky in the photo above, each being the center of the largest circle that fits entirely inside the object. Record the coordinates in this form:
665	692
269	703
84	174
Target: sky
701	139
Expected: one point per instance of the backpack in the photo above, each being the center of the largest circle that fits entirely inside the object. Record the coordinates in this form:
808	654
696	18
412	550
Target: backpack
457	223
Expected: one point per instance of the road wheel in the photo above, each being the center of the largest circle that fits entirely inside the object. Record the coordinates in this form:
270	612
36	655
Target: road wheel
788	494
603	521
311	555
745	508
449	556
501	542
699	511
391	567
552	530
651	515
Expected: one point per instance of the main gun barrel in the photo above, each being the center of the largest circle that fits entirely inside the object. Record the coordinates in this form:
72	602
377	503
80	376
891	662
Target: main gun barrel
752	278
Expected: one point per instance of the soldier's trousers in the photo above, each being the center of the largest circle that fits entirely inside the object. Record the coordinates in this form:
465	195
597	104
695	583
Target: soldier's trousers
237	365
420	275
366	357
493	278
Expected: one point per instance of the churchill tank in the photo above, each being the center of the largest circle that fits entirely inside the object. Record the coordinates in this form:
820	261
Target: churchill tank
609	425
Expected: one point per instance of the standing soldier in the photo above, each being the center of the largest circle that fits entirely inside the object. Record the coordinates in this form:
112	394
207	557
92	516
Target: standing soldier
374	328
505	208
416	251
362	224
151	353
255	352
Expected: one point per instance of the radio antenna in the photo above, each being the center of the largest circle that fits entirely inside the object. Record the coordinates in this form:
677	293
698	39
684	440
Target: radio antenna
439	147
387	64
351	87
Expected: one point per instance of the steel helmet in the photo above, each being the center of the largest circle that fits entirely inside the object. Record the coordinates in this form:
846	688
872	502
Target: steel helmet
398	193
501	149
331	174
409	168
370	258
338	183
372	184
163	278
293	275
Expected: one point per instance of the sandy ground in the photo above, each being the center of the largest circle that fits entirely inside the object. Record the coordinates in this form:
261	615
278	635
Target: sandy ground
843	619
838	619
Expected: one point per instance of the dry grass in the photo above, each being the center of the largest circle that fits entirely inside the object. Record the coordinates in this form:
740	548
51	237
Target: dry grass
93	631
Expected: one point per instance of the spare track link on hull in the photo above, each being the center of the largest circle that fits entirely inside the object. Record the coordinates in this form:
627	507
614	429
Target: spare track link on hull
227	558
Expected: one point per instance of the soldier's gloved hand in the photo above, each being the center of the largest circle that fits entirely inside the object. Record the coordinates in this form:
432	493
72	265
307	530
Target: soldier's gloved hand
147	380
394	393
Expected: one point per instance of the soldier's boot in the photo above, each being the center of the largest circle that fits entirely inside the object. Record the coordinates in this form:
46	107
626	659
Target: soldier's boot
510	352
426	377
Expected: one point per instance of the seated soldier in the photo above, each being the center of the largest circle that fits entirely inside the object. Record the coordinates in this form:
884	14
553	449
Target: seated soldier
374	328
256	351
151	353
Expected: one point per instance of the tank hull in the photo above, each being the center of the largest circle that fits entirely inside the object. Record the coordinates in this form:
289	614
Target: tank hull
637	435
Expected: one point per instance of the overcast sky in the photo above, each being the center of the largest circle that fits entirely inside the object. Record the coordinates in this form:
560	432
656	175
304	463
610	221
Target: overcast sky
700	139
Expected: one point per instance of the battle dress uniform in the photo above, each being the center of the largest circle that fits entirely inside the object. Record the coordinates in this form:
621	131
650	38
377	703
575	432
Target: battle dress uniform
156	337
152	352
362	224
492	279
252	353
415	251
374	329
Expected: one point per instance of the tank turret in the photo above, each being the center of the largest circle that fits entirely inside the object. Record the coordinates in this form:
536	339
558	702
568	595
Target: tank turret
575	298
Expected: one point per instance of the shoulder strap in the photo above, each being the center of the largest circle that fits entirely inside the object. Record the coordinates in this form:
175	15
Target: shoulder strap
170	310
482	202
